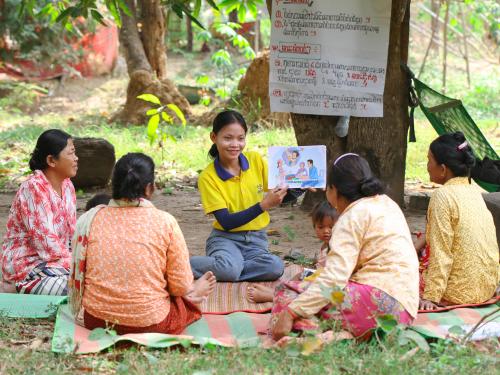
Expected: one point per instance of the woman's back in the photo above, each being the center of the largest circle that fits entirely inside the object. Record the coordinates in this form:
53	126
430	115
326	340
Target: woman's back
460	227
387	260
131	252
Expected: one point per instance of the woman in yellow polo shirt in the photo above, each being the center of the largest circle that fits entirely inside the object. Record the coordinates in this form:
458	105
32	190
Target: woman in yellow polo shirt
232	189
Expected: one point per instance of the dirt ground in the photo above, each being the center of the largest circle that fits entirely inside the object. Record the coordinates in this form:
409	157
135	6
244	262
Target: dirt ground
291	227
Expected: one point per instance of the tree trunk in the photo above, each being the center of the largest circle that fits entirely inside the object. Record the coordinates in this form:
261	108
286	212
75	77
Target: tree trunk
153	36
382	141
189	32
142	37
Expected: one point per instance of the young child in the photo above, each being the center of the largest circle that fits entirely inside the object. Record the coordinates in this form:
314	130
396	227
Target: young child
323	218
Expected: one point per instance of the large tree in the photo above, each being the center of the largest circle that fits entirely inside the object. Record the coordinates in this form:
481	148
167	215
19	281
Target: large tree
381	140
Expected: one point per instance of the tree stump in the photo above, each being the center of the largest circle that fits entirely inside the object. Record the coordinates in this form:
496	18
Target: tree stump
96	159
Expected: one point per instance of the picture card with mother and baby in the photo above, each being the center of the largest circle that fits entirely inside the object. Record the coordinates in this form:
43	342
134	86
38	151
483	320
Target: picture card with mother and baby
297	166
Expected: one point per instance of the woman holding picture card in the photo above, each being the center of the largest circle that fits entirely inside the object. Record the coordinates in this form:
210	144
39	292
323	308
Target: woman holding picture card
232	189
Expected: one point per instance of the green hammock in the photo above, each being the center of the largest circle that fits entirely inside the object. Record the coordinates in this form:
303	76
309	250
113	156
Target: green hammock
449	115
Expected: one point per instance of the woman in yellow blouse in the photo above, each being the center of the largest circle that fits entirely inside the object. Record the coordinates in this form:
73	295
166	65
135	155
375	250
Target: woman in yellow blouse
463	262
371	259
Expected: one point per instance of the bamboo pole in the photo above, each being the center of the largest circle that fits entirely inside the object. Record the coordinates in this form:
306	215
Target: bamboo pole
445	42
454	51
466	49
432	42
484	47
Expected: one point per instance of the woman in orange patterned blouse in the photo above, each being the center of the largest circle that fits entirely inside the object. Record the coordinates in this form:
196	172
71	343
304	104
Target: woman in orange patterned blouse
463	250
130	266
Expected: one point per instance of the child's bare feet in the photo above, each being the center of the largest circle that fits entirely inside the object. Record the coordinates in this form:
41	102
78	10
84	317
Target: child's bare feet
258	293
202	288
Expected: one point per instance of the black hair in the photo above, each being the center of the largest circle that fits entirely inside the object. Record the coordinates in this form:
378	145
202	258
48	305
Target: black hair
321	210
446	151
353	178
223	119
96	200
50	142
310	161
296	152
132	173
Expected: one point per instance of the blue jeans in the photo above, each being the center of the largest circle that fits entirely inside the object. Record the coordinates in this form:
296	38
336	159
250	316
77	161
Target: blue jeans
238	256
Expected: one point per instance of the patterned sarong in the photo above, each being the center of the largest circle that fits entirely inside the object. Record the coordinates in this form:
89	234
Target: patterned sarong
358	312
50	281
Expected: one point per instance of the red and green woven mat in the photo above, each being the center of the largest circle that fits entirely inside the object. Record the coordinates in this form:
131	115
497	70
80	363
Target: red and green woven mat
237	329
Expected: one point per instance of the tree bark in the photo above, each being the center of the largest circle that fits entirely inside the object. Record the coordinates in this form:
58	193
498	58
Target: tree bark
130	39
153	36
189	32
145	53
382	141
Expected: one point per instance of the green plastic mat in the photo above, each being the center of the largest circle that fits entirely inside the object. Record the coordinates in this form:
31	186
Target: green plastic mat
14	305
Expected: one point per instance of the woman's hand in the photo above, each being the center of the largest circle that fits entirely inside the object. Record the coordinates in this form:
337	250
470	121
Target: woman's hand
273	198
282	326
427	305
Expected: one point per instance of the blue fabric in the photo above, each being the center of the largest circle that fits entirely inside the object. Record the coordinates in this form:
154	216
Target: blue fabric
313	173
238	256
233	220
225	175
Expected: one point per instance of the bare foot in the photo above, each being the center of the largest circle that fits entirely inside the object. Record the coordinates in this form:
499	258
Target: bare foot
258	293
202	288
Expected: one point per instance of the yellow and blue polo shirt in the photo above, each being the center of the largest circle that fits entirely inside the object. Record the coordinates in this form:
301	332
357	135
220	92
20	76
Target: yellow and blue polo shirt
219	189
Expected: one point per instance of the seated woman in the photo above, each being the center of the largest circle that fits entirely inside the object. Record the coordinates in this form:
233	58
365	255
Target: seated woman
232	189
130	265
463	250
371	259
36	254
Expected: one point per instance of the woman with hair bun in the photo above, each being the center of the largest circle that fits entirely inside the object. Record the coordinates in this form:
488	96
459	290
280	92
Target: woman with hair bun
462	249
372	260
130	266
36	249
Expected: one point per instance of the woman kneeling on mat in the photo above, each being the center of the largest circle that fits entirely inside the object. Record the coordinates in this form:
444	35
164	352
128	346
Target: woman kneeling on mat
461	249
130	266
232	189
371	260
36	249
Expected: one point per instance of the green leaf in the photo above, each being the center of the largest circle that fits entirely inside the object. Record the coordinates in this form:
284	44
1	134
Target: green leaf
181	9
186	343
225	29
150	98
203	80
98	17
97	334
212	4
151	112
407	336
167	118
222	58
204	36
240	41
177	112
456	330
197	8
124	8
387	323
153	123
242	13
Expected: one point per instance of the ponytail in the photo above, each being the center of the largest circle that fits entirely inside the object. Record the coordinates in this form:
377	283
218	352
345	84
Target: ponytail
132	173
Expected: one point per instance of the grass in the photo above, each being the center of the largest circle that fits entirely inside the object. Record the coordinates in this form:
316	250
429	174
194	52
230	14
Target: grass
185	157
445	357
